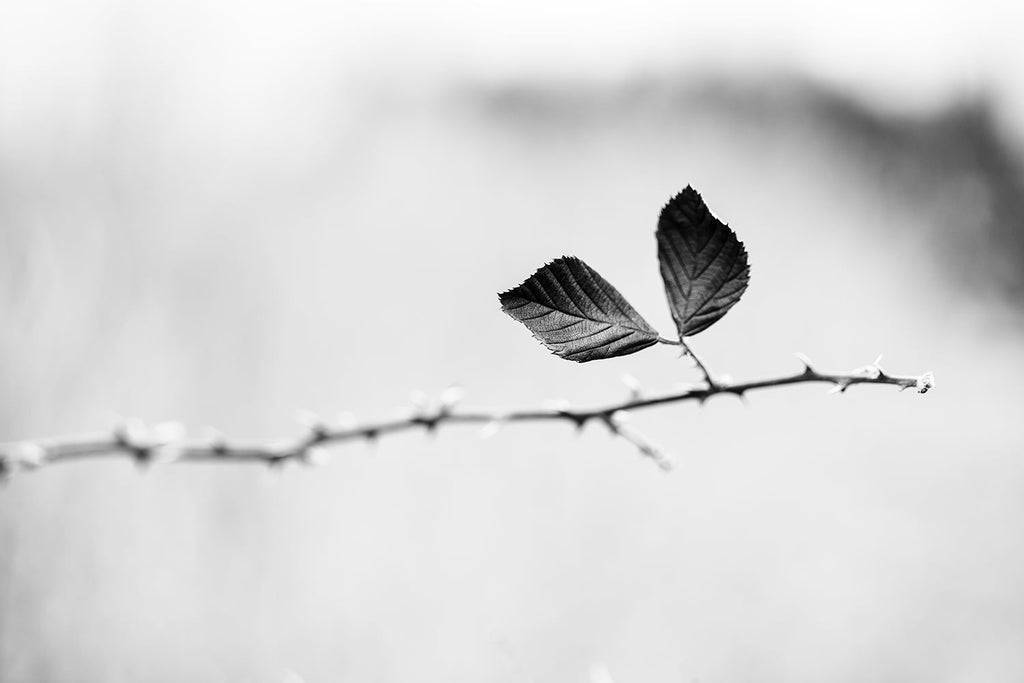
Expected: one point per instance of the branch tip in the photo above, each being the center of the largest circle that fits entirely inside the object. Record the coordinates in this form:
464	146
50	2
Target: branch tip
925	383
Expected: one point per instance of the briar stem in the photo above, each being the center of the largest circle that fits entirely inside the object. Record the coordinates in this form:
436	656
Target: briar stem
146	446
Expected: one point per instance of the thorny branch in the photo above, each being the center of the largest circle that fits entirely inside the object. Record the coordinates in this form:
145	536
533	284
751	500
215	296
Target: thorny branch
164	443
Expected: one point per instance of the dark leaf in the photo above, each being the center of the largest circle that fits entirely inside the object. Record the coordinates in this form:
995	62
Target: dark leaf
576	313
703	264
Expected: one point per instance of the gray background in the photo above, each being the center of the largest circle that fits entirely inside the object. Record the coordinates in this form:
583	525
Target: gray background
224	212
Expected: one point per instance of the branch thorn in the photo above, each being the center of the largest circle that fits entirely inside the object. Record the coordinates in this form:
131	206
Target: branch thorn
27	454
450	397
215	440
315	456
877	365
558	405
633	385
490	429
419	399
808	369
346	421
312	422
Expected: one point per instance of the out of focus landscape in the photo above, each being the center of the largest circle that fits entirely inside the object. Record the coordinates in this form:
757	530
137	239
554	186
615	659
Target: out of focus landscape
223	213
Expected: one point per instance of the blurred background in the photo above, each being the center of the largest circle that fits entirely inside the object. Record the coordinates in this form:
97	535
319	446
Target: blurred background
223	212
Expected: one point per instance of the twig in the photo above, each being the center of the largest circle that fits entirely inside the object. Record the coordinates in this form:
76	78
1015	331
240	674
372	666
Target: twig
687	351
164	443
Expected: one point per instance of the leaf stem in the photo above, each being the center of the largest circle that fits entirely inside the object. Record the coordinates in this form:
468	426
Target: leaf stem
700	364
